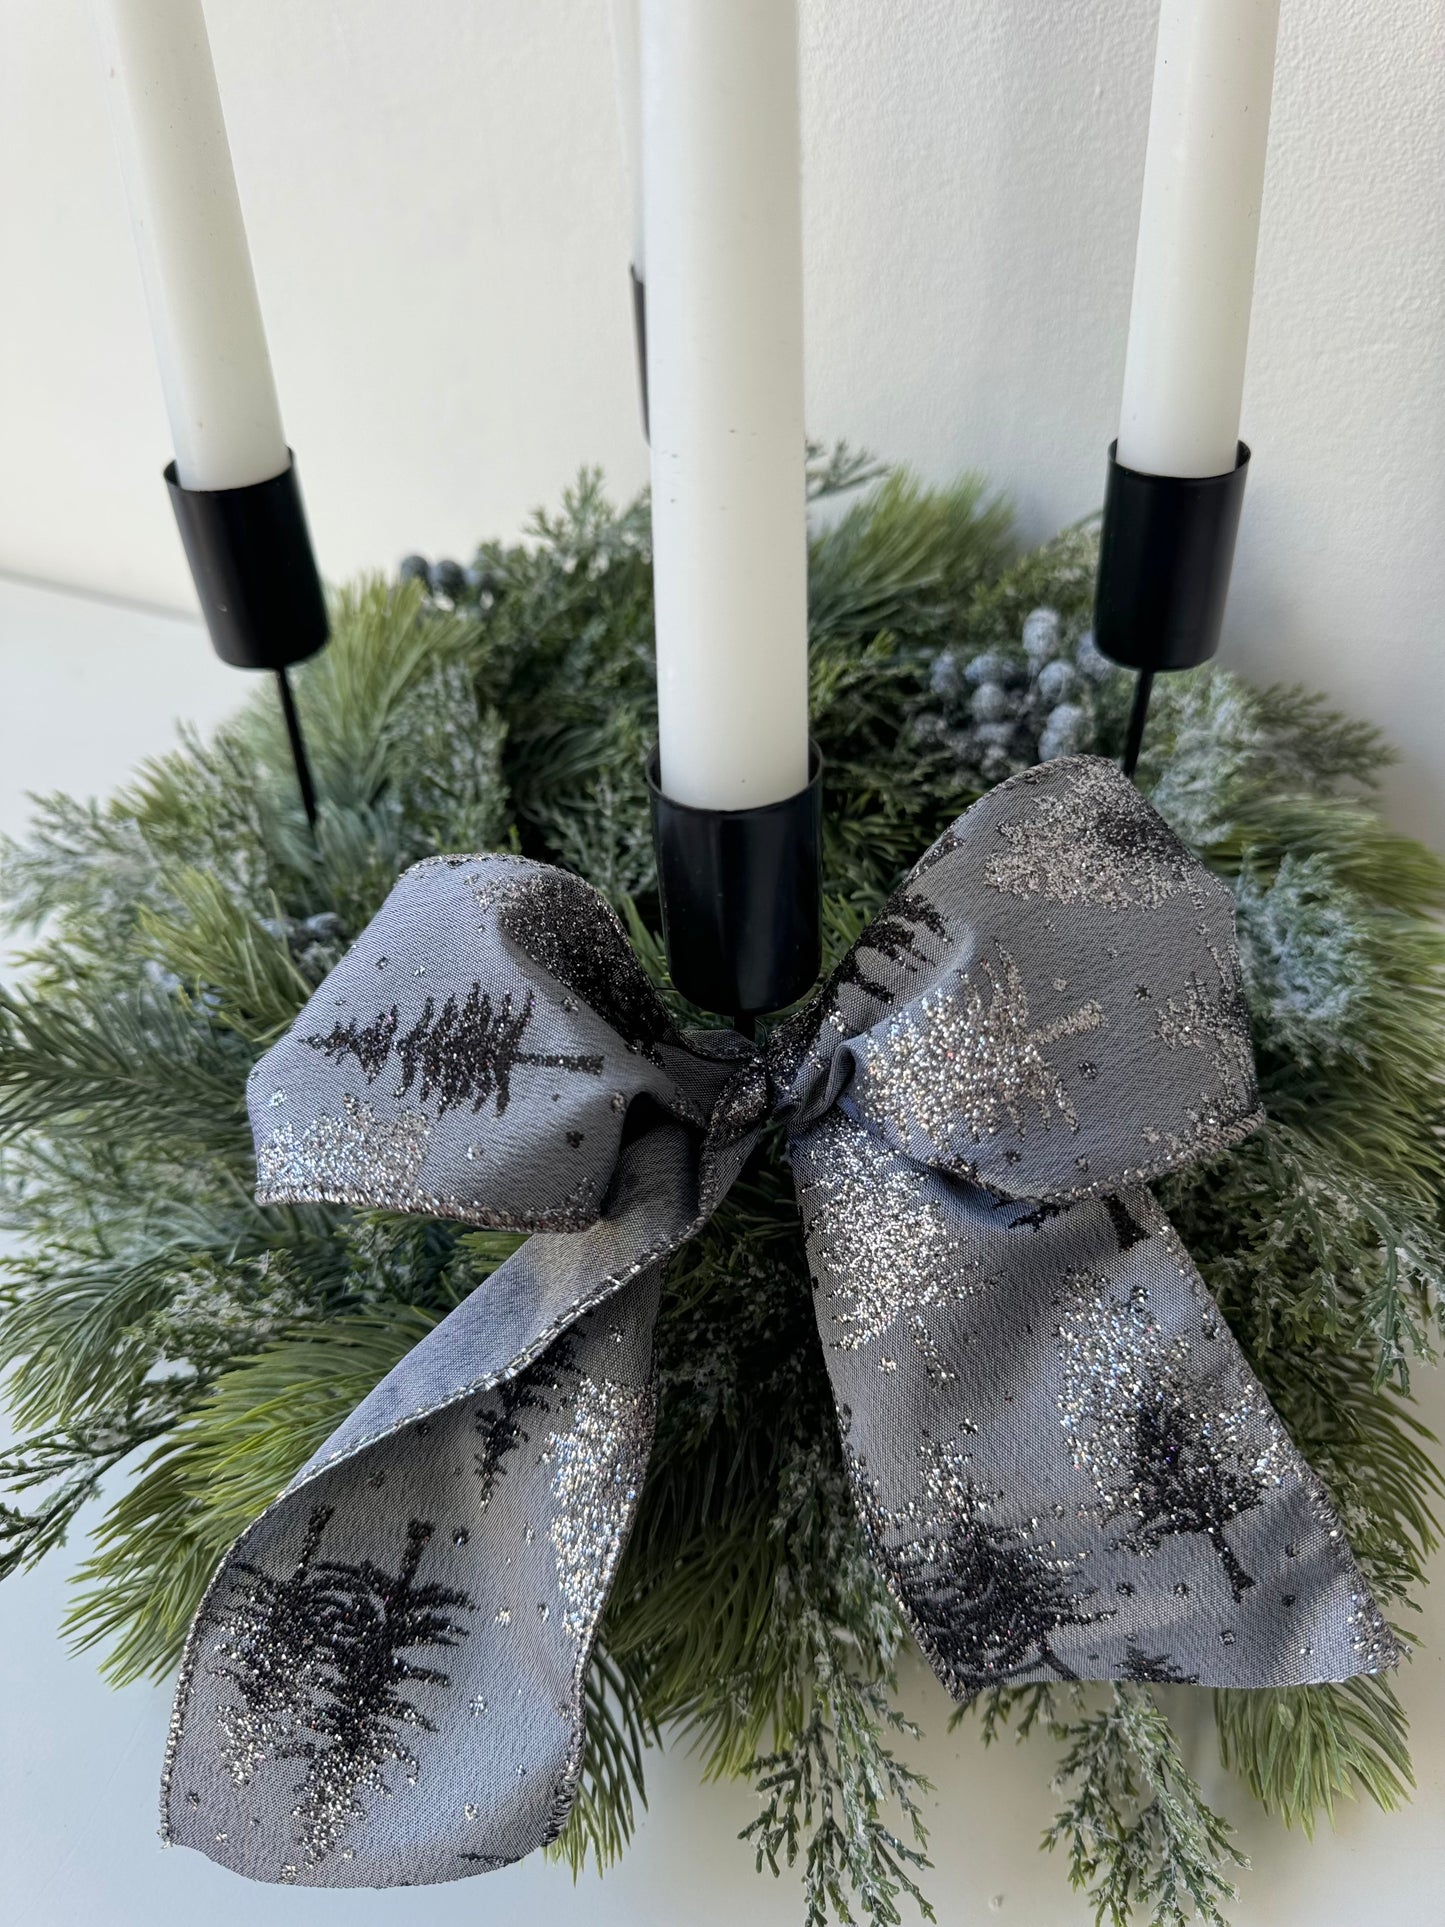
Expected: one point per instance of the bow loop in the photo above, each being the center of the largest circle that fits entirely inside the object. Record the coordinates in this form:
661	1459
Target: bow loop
1050	1005
474	1055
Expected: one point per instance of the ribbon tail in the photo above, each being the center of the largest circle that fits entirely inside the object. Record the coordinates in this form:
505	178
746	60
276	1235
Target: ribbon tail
384	1684
1063	1465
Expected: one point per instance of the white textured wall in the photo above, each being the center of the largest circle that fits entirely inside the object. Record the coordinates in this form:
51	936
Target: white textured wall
434	196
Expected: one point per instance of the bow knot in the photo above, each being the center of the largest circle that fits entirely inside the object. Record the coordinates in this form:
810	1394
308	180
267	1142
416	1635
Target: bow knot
1062	1464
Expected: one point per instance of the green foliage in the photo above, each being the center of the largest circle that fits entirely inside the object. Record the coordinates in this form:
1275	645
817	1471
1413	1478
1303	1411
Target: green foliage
1137	1831
825	1797
240	1445
163	1324
619	1730
1297	1750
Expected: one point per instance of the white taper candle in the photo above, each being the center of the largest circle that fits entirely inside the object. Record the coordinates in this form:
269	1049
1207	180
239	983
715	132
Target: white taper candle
205	317
725	370
1198	233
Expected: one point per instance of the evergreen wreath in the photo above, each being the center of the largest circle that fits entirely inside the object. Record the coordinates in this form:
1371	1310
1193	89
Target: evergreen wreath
163	1319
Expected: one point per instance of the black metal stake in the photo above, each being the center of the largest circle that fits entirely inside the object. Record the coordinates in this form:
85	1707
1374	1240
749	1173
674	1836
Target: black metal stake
298	747
1137	718
639	336
250	554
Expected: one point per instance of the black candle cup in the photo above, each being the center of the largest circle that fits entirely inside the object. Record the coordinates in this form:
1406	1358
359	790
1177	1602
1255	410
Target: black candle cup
250	555
741	895
1166	551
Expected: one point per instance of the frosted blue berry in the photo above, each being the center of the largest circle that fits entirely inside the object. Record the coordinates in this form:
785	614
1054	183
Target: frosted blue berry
415	568
991	666
943	677
448	579
990	734
1057	681
1042	637
1063	733
990	703
1092	662
928	729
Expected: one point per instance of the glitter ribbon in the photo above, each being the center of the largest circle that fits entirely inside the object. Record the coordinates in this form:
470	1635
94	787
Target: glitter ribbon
1063	1466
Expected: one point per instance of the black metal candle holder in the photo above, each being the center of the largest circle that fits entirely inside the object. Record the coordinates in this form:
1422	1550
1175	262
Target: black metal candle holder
1165	555
741	897
250	555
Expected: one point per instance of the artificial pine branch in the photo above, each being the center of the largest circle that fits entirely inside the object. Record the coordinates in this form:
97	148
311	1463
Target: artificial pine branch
1297	1749
1138	1834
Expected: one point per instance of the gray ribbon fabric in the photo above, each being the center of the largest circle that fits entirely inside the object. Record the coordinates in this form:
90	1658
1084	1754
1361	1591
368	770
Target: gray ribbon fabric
1063	1465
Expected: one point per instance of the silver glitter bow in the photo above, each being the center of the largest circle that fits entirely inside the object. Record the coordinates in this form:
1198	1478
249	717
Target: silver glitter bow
1063	1465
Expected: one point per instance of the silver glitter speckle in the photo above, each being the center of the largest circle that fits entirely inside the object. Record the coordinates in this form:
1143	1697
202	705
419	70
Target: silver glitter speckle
600	1458
959	1065
878	1237
357	1156
1168	1454
1092	840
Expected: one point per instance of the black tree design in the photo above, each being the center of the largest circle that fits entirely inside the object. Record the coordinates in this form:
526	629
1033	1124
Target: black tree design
319	1659
895	934
1177	1480
273	1633
500	1429
1164	1453
1127	1228
370	1044
564	925
463	1053
1155	1669
984	1597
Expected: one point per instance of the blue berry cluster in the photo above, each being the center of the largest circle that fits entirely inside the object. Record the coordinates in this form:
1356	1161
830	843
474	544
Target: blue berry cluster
448	581
1006	709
